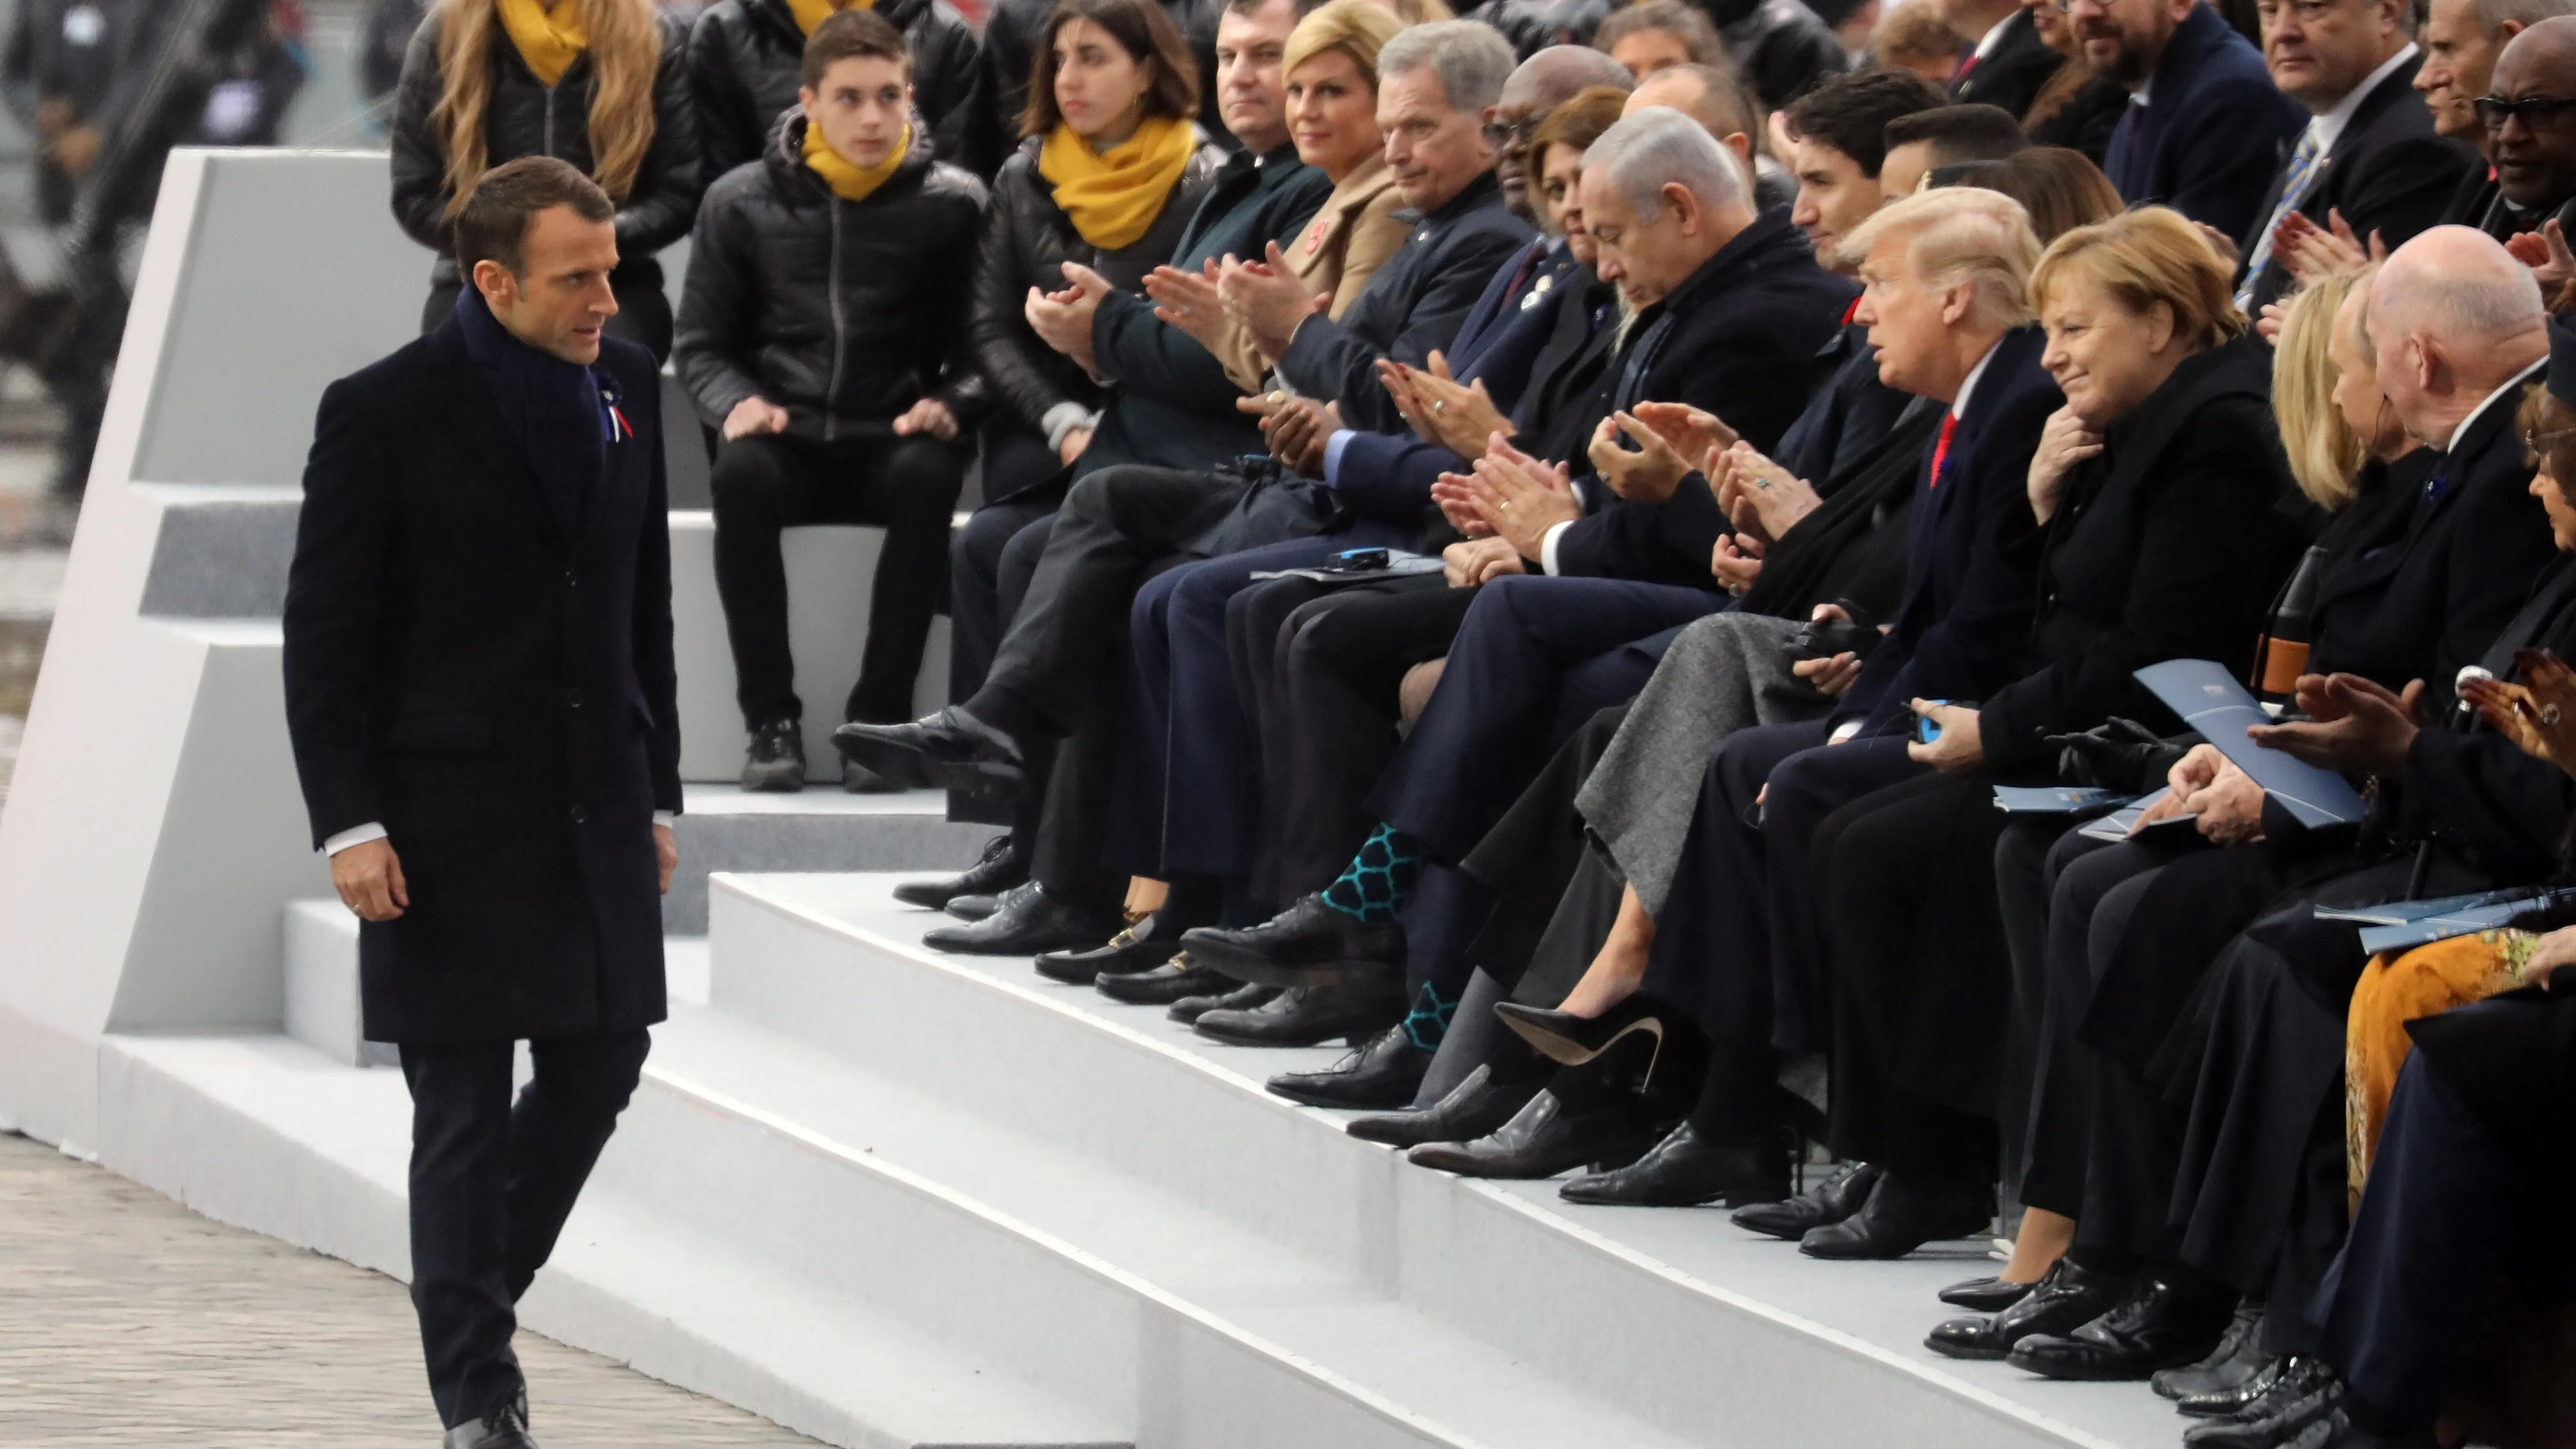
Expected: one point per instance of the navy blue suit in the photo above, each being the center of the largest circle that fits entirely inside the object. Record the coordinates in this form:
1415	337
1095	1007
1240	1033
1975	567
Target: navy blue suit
2212	131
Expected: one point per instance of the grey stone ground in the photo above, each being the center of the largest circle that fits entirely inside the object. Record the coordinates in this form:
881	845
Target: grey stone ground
127	1320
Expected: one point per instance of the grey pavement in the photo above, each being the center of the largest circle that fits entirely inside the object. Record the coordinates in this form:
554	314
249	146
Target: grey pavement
128	1321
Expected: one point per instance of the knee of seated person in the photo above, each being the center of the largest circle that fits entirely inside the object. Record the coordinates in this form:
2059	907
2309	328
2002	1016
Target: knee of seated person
746	478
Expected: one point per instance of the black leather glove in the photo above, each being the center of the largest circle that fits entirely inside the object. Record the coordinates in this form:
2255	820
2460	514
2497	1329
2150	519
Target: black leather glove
2118	754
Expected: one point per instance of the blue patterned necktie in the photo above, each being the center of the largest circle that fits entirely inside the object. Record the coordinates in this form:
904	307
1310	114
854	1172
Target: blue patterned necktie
2294	189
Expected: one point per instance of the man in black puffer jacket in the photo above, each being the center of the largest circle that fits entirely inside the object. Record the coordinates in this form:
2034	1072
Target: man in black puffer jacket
746	62
824	329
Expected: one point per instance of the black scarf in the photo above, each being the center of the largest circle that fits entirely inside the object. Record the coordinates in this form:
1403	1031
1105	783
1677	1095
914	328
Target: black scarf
554	409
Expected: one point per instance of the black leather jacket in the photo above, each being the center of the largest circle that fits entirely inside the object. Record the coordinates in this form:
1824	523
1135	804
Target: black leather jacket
1011	29
526	118
845	313
1027	240
747	57
1782	47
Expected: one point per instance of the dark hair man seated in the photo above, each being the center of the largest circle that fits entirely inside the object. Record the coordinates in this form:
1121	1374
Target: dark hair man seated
822	328
1928	141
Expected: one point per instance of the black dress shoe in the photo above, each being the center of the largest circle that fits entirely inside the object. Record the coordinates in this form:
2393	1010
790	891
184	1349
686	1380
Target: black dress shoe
2158	1326
2237	1360
1688	1170
1984	1295
947	750
2064	1299
1543	1139
999	869
1828	1202
2230	1402
1139	948
1902	1216
1307	1016
1174	979
1027	921
1384	1072
1308	944
1472	1109
2306	1394
1225	995
973	908
504	1428
1571	1040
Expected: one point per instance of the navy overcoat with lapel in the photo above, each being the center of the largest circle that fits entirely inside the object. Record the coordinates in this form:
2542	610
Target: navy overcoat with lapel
496	690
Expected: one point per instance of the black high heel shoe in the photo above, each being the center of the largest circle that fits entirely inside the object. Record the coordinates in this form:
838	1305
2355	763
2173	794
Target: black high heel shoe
1571	1040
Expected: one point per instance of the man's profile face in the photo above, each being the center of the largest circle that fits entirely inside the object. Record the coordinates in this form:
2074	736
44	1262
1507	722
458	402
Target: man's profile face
1433	148
863	106
1646	254
2459	62
1833	195
2318	50
1252	87
2535	157
562	301
1904	318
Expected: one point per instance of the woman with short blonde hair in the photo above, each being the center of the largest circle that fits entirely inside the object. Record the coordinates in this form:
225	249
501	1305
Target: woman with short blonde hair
2144	260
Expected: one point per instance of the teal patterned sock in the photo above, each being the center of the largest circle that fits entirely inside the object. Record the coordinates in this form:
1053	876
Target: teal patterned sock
1428	1022
1380	880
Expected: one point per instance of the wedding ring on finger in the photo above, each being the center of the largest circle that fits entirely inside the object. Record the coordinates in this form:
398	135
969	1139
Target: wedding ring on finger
2549	715
1438	403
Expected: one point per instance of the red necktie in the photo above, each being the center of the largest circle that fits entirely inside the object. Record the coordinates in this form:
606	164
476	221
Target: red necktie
1941	449
1967	68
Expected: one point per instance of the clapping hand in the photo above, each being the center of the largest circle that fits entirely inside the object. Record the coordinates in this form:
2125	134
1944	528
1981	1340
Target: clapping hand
1189	301
1267	298
1694	432
2552	264
1518	496
1760	497
2313	253
1062	320
1647	473
2539	714
2353	725
1458	416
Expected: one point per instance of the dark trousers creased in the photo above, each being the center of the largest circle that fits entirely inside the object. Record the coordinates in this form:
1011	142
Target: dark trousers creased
975	613
763	485
491	1184
1535	866
1006	559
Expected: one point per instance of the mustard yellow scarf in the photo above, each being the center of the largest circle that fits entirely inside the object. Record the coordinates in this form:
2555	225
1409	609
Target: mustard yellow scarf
848	181
810	13
549	37
1113	196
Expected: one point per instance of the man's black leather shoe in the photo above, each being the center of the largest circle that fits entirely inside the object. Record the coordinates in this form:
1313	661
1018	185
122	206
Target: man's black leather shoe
1027	921
1984	1295
2158	1326
504	1428
1176	978
1472	1109
1225	995
2236	1362
1688	1170
2064	1299
972	908
2228	1403
1307	1016
1383	1072
1542	1140
1000	869
1308	944
774	762
947	750
1902	1216
2305	1395
1828	1202
1136	949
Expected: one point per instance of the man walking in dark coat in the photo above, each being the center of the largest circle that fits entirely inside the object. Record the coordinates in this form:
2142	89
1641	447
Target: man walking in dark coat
481	696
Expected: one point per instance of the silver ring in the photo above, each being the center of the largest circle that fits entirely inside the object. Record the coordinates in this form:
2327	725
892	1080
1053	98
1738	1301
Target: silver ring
2549	715
1438	403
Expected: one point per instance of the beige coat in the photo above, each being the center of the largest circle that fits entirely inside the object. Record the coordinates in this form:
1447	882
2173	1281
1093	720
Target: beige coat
1335	253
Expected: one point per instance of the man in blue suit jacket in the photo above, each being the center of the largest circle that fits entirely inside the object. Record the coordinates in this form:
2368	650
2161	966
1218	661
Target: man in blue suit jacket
2206	127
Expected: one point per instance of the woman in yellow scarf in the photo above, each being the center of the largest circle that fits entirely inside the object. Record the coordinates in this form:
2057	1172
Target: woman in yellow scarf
596	83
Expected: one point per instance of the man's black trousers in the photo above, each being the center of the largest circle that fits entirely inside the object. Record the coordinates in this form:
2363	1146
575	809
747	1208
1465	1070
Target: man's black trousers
907	486
491	1185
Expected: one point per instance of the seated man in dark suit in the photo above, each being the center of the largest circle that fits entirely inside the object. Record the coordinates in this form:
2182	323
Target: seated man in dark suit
1056	675
2206	128
2010	63
1929	141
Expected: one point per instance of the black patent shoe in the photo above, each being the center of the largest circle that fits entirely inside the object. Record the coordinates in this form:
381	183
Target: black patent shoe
1026	922
1570	1040
1902	1216
1827	1203
1175	979
2228	1403
1543	1139
2157	1326
1307	1016
1984	1295
1383	1072
774	762
947	750
1472	1109
972	908
998	870
2304	1395
2236	1362
504	1428
1308	944
1688	1170
1225	995
2064	1299
1133	950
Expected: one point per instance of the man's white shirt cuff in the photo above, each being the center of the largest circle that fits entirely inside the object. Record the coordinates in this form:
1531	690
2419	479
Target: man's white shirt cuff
1547	546
354	835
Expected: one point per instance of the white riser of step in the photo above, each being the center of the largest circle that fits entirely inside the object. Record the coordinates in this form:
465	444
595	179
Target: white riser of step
322	985
820	828
1699	1328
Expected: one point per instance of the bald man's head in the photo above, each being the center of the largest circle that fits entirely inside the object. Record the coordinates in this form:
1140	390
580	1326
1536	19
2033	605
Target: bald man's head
2453	317
1542	83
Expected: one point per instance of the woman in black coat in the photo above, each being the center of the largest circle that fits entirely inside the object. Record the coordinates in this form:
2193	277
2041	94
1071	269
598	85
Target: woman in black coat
746	59
601	84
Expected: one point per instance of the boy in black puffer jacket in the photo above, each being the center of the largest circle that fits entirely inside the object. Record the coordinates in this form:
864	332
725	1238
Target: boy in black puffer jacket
746	63
823	329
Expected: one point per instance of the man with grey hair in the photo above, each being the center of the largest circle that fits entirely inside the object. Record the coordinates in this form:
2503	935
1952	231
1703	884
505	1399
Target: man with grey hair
2461	40
1058	672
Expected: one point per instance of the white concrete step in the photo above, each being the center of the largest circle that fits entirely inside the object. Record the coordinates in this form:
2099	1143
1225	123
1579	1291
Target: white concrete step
820	828
1699	1331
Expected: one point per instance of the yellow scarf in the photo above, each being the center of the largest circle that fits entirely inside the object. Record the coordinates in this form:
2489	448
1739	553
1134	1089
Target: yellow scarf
549	38
810	13
1113	196
848	181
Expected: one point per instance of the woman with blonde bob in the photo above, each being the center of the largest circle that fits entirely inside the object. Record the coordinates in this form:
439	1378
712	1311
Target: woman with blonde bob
601	84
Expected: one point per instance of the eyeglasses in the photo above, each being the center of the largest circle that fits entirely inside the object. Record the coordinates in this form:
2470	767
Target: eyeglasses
1502	134
2536	111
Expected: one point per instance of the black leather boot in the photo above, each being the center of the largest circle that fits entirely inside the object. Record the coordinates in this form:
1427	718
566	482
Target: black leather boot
2237	1360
